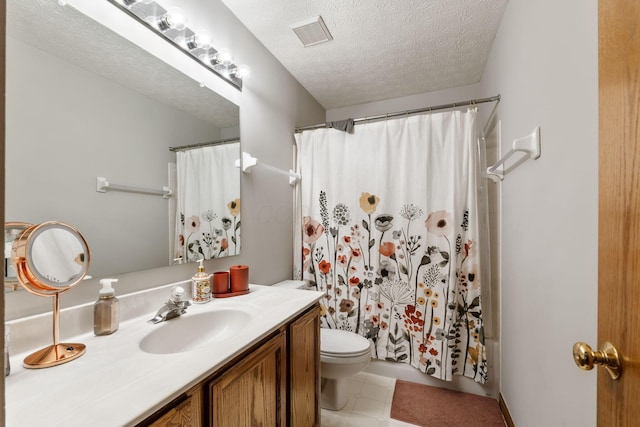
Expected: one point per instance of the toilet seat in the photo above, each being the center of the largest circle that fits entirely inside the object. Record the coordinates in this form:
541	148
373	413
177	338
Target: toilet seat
337	343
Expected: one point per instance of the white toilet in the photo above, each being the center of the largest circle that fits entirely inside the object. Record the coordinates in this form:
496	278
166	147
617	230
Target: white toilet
342	354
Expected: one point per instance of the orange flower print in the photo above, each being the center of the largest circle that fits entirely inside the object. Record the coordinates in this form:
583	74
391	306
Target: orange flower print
224	244
323	310
346	239
324	267
353	281
383	325
433	352
438	223
305	252
369	203
356	254
312	230
387	248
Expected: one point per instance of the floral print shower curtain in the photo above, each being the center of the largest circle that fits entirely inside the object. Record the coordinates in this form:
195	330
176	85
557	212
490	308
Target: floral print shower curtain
208	203
387	227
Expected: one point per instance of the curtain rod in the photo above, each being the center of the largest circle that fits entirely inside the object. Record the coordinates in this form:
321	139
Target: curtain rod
408	112
204	144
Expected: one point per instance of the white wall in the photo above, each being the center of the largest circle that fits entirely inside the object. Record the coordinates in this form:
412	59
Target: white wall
544	64
272	104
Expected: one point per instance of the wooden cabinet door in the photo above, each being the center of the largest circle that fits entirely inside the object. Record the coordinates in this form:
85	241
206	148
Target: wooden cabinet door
304	370
252	392
186	411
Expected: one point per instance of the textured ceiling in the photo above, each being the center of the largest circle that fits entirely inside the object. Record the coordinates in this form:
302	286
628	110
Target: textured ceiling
70	35
382	48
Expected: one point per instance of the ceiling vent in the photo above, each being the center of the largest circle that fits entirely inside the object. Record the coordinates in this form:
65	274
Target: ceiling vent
312	31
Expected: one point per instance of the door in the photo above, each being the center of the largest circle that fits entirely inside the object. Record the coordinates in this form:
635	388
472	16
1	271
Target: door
619	207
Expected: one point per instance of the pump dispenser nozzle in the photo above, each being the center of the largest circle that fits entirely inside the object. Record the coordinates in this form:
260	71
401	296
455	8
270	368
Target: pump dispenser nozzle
107	287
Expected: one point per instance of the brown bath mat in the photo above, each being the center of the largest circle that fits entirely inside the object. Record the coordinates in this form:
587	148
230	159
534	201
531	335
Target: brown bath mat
437	407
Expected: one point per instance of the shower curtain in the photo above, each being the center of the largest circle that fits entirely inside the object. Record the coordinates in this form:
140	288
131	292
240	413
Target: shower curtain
388	228
208	203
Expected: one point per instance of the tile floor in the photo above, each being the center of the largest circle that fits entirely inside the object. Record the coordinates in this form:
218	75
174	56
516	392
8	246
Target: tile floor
369	404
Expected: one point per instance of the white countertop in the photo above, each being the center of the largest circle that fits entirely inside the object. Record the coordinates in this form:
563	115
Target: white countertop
115	383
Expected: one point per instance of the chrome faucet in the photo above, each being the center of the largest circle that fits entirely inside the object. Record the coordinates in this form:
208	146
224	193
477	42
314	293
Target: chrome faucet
176	306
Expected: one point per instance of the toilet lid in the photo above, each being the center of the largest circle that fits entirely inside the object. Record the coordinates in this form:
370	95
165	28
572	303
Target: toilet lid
338	343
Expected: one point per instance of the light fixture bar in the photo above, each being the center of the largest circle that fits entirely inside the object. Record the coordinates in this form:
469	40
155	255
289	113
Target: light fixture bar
183	39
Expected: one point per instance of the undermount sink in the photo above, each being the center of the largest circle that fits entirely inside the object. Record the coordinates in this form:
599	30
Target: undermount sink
191	331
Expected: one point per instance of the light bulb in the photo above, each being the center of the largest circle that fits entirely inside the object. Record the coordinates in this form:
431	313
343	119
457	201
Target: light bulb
241	71
223	56
201	40
174	18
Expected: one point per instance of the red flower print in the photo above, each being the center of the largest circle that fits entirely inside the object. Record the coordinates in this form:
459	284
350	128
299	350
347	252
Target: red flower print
346	239
342	260
383	325
312	230
356	254
367	308
412	319
439	223
224	244
353	281
346	305
433	352
387	248
422	349
375	319
324	267
192	224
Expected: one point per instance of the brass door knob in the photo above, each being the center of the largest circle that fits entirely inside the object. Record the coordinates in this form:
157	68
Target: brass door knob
607	357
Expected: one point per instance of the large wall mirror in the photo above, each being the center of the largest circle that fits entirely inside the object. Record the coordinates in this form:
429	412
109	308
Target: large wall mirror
82	103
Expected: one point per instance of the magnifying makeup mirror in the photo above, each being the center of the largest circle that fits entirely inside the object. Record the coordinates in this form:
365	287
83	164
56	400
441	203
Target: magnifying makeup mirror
49	259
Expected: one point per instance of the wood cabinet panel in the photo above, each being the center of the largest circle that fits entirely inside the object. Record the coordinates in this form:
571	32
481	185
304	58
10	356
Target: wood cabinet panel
186	411
253	391
304	370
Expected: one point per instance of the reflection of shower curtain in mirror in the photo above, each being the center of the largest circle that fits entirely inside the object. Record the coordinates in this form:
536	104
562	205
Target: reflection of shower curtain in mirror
390	227
208	202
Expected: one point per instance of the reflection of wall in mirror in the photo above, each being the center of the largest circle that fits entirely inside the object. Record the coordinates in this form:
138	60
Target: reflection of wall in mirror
65	126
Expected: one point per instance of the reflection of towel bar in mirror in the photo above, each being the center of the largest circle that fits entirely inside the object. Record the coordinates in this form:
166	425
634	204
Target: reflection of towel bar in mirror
103	185
529	145
249	162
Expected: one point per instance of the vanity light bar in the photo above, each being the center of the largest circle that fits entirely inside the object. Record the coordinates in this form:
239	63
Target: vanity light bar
171	25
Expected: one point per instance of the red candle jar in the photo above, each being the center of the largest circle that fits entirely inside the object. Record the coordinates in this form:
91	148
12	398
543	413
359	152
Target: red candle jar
220	282
239	278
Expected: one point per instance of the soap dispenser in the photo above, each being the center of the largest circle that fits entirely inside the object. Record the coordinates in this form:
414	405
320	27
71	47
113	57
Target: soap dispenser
105	310
201	285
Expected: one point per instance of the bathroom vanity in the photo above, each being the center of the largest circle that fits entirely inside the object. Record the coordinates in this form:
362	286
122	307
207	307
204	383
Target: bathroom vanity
247	360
